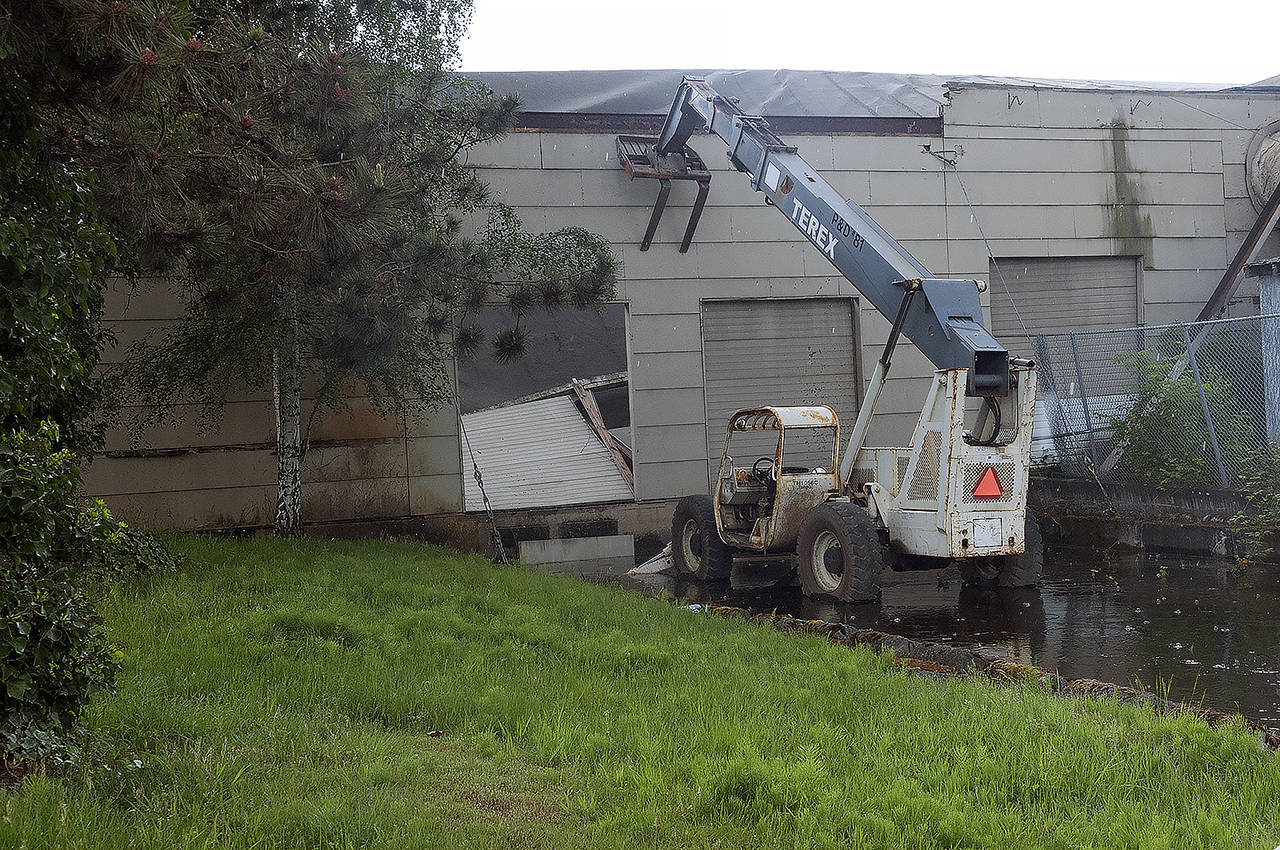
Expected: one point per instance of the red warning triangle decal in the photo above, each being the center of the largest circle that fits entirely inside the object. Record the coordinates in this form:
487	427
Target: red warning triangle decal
988	485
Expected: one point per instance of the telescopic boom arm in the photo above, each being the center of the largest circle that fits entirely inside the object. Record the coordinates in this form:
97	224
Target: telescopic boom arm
941	317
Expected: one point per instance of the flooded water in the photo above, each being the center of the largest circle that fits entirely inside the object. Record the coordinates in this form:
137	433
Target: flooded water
1205	629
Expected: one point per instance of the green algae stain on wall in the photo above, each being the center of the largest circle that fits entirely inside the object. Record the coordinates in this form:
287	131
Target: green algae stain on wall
1130	227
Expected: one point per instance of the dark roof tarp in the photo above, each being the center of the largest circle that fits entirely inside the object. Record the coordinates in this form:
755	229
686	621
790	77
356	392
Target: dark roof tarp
1268	83
775	93
780	93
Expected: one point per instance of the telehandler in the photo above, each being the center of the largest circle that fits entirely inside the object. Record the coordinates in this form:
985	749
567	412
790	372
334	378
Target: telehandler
950	495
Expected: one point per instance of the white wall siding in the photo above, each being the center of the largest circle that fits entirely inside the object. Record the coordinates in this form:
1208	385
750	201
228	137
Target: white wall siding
1052	173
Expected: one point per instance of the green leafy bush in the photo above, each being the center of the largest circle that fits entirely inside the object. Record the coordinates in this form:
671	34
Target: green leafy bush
55	552
1164	432
53	653
60	554
106	550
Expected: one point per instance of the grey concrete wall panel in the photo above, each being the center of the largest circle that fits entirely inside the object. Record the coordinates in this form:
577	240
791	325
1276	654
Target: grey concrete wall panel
430	495
665	332
1233	181
662	370
662	479
191	428
1207	156
199	507
517	150
1032	107
116	476
878	153
683	406
568	550
670	442
438	455
329	501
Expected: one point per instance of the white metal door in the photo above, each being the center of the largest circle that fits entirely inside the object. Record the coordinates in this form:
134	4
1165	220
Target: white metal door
1057	294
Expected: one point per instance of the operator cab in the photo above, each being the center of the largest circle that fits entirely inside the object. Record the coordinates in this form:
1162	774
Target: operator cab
788	466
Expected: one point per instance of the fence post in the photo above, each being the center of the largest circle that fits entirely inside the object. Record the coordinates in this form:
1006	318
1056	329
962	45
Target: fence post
1084	402
1204	407
1268	274
1048	384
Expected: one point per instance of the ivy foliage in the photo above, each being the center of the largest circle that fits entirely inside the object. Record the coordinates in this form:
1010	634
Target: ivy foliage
53	656
53	653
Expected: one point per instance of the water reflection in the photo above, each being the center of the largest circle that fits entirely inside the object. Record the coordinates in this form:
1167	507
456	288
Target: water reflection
1202	628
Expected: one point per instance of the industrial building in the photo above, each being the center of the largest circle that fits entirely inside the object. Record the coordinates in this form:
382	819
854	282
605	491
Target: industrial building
1104	205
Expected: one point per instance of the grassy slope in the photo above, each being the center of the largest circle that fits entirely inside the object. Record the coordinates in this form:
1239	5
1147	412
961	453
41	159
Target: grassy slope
281	694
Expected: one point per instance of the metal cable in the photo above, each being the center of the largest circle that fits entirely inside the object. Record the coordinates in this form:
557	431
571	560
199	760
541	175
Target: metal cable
991	255
488	508
1210	114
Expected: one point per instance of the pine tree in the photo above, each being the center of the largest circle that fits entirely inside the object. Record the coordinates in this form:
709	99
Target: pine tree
298	170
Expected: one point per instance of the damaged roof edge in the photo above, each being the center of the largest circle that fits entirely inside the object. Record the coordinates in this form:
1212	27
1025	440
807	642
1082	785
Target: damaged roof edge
1097	86
595	382
539	454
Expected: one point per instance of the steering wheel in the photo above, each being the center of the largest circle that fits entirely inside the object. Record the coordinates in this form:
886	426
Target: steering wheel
765	476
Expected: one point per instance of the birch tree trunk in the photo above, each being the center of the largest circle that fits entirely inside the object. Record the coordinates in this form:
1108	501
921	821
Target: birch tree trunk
287	391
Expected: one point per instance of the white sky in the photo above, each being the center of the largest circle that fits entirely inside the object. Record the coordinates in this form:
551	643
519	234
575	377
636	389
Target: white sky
1204	42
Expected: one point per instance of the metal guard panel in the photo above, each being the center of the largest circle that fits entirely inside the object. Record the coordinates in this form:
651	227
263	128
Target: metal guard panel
776	418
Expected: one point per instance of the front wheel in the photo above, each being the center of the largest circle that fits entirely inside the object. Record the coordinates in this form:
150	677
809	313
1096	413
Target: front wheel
839	554
696	546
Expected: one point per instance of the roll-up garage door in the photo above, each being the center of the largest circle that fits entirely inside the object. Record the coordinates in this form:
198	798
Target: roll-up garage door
1062	294
776	352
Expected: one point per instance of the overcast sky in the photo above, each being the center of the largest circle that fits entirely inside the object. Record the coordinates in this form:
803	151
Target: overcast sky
1203	42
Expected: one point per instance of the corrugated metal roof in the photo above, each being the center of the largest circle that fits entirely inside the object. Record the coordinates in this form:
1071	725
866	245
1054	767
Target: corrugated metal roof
536	455
776	93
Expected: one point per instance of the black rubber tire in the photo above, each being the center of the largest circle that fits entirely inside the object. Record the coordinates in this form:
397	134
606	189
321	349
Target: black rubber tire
845	531
702	554
1024	570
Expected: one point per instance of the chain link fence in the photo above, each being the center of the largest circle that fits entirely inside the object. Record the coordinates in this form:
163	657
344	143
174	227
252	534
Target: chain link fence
1167	405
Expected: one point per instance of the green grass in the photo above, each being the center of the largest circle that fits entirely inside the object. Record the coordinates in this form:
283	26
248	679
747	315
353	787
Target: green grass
284	695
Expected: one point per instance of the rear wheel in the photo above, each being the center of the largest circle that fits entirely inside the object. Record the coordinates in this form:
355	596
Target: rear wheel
839	554
696	546
1023	570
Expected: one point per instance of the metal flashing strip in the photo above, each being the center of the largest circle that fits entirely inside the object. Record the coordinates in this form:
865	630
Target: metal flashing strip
615	123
